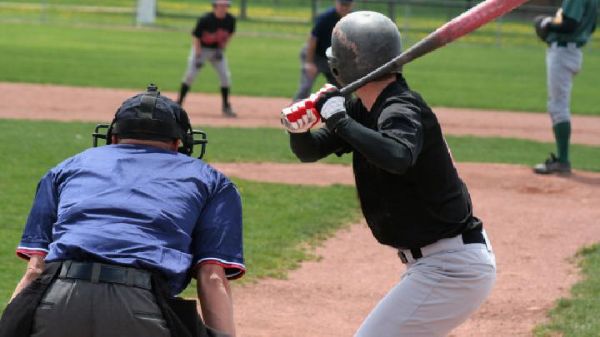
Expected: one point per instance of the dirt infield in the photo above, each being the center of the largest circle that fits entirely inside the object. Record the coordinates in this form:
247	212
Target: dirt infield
33	101
536	223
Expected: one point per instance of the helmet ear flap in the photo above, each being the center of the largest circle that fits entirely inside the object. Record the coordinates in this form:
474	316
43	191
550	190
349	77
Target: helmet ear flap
185	128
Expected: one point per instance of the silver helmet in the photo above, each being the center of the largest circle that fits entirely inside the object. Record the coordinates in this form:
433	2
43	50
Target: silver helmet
360	43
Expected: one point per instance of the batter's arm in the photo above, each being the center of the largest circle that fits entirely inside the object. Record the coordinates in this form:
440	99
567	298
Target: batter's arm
314	145
215	298
35	267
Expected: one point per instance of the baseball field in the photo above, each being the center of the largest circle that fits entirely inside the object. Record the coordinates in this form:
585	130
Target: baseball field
313	266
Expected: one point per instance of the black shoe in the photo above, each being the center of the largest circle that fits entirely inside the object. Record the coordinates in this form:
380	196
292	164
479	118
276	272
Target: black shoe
552	165
228	111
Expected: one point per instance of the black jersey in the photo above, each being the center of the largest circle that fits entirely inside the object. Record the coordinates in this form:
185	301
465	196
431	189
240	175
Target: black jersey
409	190
214	32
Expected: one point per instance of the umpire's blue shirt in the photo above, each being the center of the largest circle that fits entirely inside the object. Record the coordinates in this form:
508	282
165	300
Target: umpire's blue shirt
138	206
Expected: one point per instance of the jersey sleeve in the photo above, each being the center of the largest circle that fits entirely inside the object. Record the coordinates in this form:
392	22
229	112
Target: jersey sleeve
573	9
218	235
37	234
396	143
402	123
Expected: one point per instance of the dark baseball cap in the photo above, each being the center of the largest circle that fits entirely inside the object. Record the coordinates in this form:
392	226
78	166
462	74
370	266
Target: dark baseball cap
148	115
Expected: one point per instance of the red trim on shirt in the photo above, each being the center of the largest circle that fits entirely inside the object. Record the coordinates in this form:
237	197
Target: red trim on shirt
228	268
25	254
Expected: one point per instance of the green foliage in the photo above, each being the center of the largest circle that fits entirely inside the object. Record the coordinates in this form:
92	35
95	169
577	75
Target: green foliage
577	316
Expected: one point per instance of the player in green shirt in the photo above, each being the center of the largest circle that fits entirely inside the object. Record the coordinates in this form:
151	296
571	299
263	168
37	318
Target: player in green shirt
565	33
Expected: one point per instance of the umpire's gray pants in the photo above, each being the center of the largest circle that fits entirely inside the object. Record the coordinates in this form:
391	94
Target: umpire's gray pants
562	64
77	308
207	54
436	294
307	81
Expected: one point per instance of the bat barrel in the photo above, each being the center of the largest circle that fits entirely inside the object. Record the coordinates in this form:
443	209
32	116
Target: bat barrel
457	27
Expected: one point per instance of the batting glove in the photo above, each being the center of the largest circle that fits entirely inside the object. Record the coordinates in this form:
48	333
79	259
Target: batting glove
331	106
300	116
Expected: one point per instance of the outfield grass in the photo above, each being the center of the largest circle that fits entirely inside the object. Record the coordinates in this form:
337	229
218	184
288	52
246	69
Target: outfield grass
461	75
577	316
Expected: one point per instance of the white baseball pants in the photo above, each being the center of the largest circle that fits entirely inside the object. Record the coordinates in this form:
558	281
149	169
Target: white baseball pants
437	293
562	64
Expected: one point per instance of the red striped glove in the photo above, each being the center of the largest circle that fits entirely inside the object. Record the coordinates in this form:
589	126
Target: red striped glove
303	115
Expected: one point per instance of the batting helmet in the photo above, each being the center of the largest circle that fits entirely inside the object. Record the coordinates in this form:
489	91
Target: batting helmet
360	43
150	116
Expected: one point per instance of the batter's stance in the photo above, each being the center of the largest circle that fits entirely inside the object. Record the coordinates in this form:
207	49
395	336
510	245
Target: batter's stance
566	33
115	232
409	189
210	38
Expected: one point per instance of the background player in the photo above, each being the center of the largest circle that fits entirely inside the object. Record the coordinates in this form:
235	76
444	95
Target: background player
312	56
210	38
118	230
409	190
565	34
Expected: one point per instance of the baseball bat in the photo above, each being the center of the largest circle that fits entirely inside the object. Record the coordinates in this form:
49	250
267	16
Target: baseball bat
461	25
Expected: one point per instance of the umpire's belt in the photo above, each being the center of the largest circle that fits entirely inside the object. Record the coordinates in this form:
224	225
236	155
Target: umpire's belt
106	273
475	236
566	44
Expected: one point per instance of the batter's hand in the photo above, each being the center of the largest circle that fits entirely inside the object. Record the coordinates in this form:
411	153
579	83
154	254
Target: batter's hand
300	116
303	115
331	106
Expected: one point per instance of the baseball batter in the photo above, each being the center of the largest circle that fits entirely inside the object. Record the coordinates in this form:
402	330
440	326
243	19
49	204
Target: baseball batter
566	33
410	192
210	37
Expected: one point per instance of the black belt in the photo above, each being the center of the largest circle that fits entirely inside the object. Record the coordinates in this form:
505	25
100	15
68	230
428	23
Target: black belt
566	44
471	236
106	273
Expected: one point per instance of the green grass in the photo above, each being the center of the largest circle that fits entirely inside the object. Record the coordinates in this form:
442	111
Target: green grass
465	74
265	145
577	316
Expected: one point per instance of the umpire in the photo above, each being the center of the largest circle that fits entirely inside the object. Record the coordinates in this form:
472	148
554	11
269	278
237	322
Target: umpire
312	57
115	232
409	189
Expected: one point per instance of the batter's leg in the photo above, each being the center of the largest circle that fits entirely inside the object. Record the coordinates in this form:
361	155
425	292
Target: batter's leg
436	294
306	81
